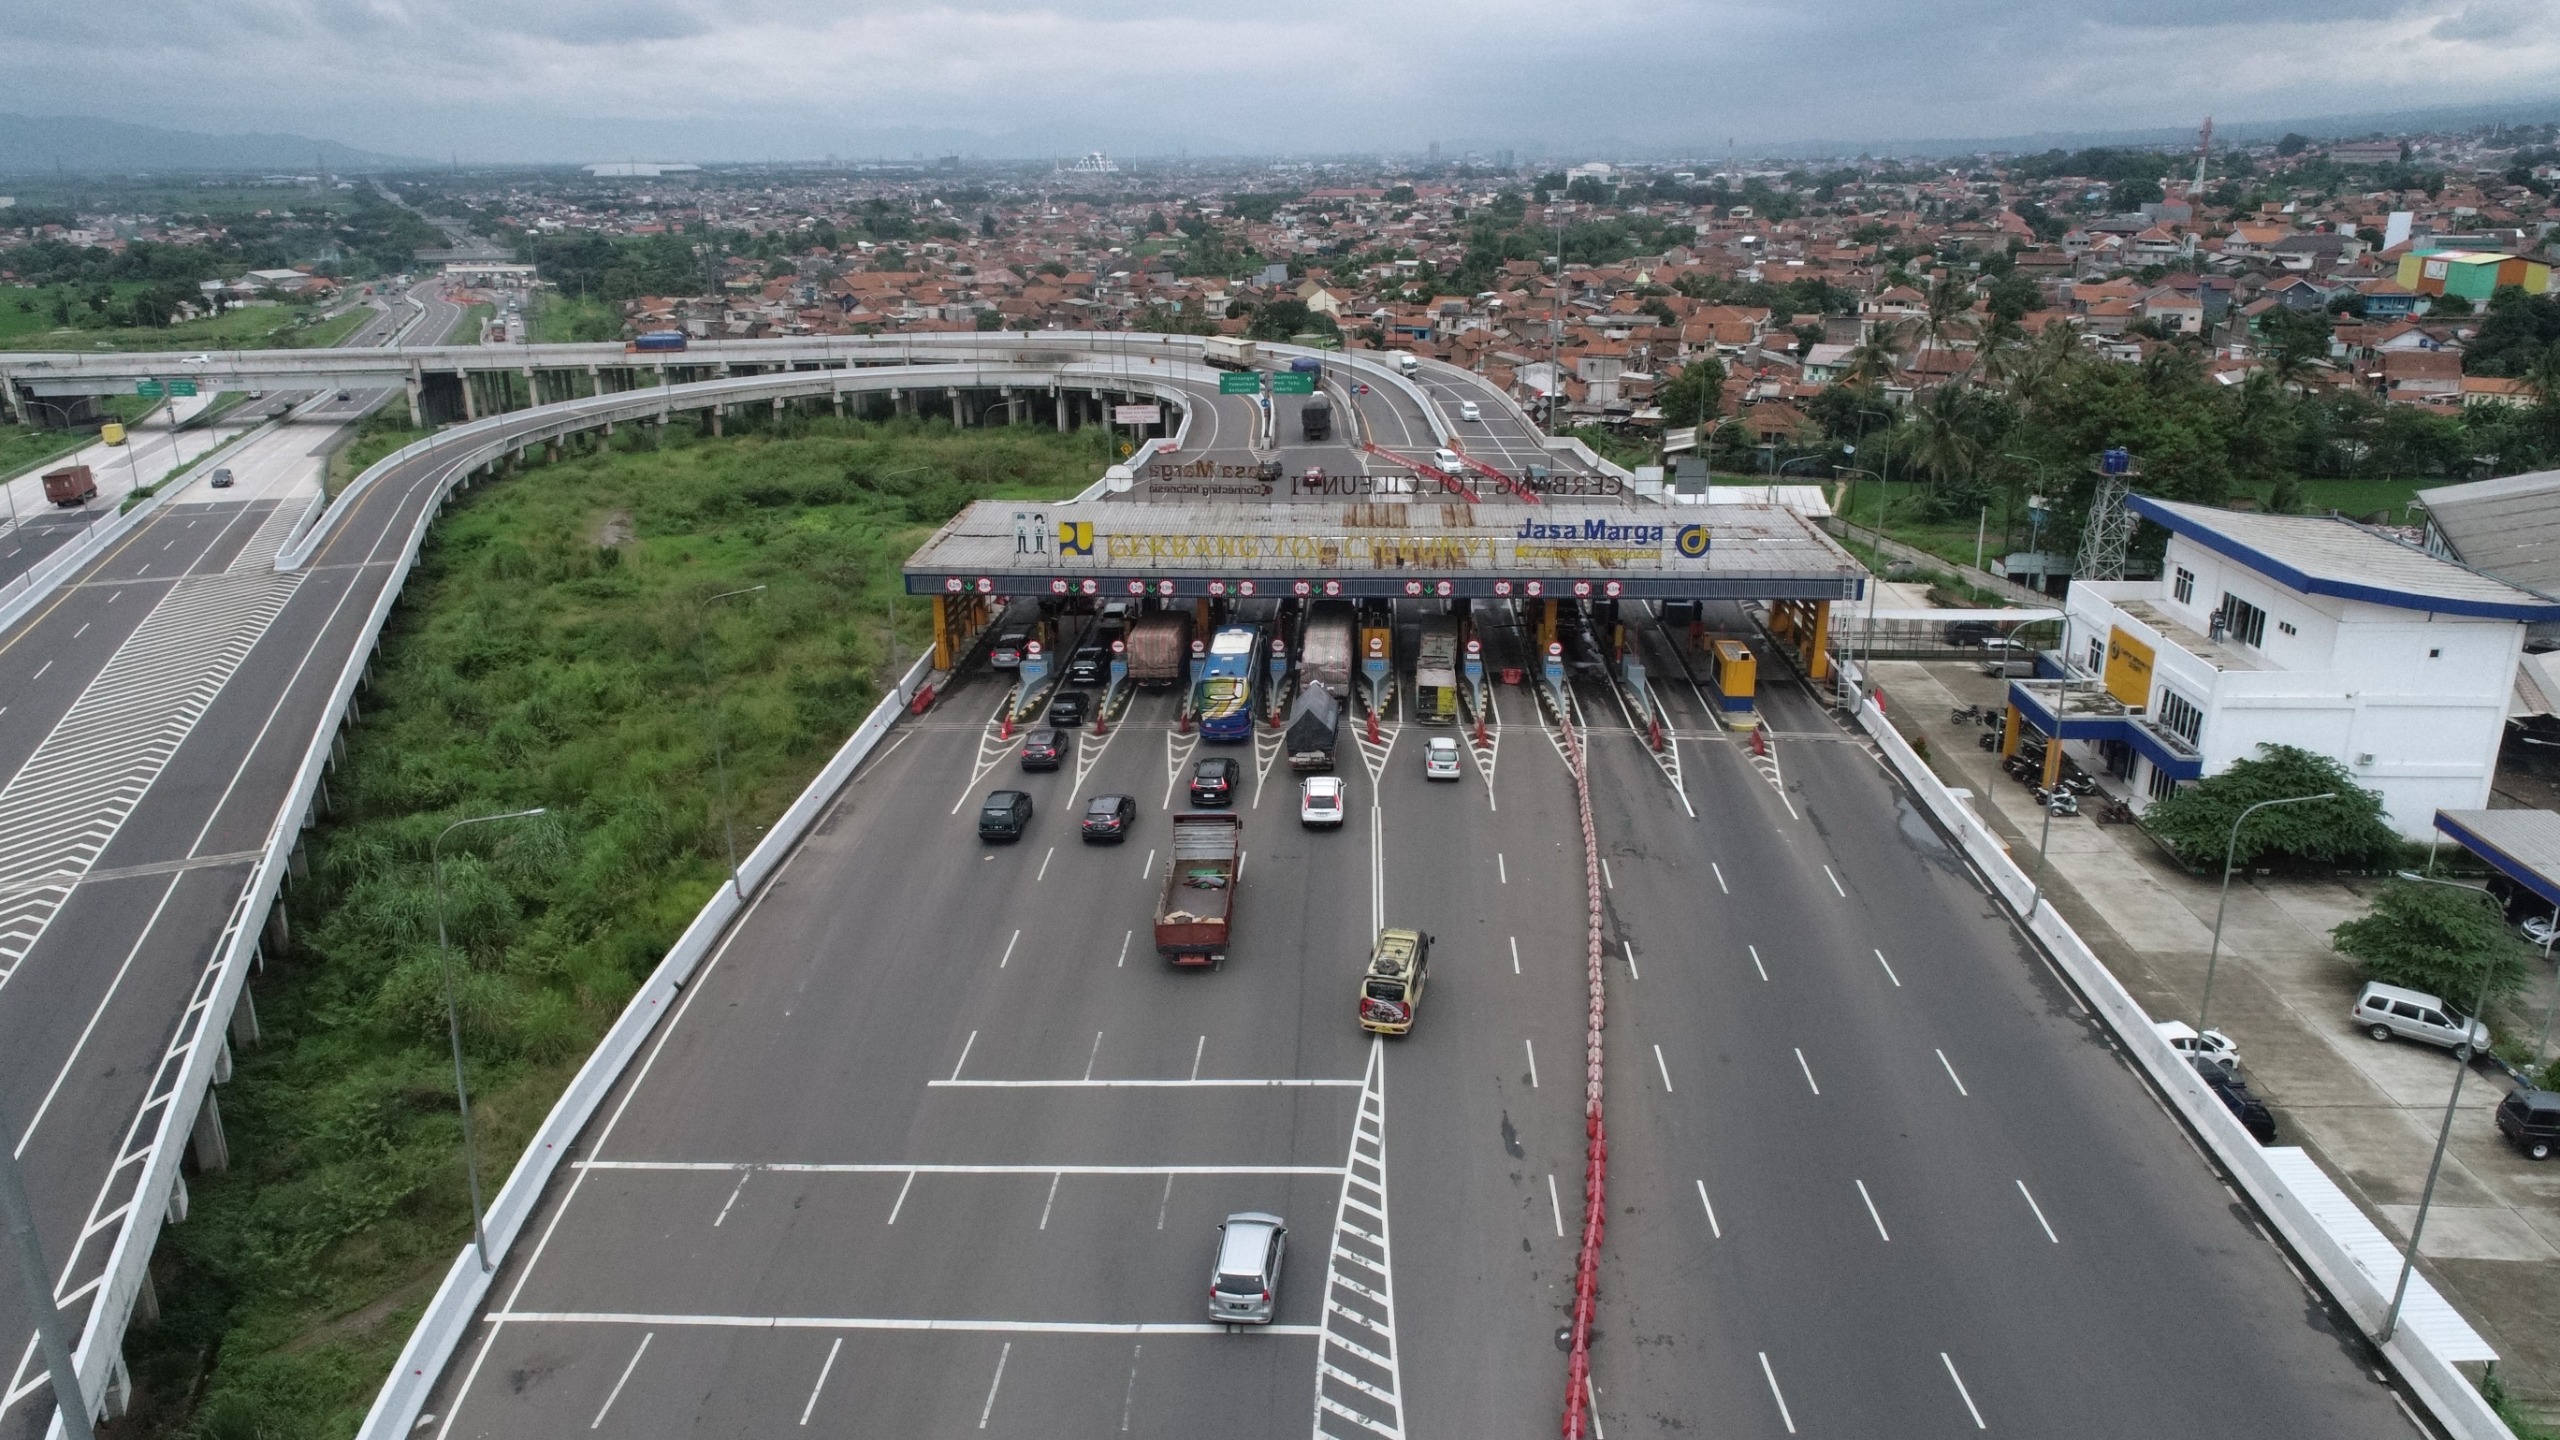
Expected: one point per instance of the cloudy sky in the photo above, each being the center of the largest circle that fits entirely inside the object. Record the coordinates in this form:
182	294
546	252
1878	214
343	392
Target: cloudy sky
757	79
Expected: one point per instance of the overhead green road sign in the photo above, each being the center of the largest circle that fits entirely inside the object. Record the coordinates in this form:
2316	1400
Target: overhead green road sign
1239	382
1293	382
155	389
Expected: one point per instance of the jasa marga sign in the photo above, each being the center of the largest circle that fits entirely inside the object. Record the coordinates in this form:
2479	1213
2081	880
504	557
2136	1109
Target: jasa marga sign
1598	538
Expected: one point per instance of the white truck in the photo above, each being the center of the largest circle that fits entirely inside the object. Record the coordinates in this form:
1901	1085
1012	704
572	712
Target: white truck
1227	353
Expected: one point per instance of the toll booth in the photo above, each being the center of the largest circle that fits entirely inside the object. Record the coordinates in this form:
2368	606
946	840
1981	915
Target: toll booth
1734	673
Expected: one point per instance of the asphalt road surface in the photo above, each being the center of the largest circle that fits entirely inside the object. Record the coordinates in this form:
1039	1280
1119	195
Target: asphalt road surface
152	715
935	1145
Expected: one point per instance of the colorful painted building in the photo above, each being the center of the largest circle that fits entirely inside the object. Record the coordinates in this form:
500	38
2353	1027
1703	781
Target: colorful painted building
2472	274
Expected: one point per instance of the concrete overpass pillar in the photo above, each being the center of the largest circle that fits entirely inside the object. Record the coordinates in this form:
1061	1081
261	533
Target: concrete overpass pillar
532	386
719	413
417	385
839	397
211	1150
17	405
1058	402
956	421
595	380
244	1020
470	410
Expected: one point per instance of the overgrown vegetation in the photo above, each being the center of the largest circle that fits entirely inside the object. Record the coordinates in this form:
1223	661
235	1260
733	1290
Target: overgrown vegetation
2346	830
552	649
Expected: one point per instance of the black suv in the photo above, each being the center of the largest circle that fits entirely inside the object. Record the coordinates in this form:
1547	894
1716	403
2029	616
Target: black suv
1006	815
1069	708
1108	817
2531	1118
2234	1094
1044	750
1091	663
1213	781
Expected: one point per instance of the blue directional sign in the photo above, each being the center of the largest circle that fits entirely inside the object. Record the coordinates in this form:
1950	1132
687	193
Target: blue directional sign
1035	667
1475	662
1555	663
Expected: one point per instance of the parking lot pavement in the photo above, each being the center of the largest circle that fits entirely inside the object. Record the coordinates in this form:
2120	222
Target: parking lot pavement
2369	1112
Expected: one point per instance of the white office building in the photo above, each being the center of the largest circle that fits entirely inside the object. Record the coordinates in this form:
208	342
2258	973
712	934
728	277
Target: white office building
2294	630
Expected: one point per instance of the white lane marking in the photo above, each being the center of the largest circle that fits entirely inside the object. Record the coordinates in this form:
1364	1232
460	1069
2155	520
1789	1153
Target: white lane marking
874	1322
964	1057
796	1167
1501	867
1515	954
1776	1394
1962	1392
1532	1048
1719	877
1166	1203
83	630
1605	877
1591	1403
72	1060
1044	865
956	1083
823	1371
1835	882
1632	971
902	1196
1241	857
1712	1227
2040	1220
732	1200
1888	970
1001	1356
1359	1372
1094	1055
1951	1074
1124	948
1150	870
1665	1069
1755	961
1556	1203
1871	1210
1047	1205
616	1393
110	599
1129	1398
1808	1071
1197	1051
40	671
1007	957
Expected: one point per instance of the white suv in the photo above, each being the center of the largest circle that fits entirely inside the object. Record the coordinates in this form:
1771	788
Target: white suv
1440	759
2213	1045
1244	1285
1320	802
2386	1011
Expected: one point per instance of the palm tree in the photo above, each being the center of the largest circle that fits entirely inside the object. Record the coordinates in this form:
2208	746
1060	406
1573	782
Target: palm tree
1945	435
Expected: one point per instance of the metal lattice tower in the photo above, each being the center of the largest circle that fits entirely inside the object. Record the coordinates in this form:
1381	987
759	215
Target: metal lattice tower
2102	545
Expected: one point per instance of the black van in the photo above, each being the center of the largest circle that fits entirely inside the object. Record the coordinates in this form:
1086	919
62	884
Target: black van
1006	815
2531	1118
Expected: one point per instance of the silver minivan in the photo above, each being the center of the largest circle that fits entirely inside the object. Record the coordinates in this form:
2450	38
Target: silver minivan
1244	1285
2386	1011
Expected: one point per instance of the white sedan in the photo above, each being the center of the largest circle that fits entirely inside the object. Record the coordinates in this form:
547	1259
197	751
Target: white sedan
1320	802
1440	760
2213	1045
1468	410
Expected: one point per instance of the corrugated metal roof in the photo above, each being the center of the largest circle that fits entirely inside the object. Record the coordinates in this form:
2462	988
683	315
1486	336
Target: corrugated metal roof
2324	555
2524	845
2424	1313
2509	527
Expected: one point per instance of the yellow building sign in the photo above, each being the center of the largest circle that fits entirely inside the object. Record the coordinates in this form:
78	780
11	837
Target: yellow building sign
2128	669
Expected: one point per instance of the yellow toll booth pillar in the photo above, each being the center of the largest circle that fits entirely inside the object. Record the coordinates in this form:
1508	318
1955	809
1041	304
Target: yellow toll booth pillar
2052	760
2011	731
941	632
1817	660
1546	626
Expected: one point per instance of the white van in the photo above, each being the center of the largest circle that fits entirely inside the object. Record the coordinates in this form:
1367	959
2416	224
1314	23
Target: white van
1408	363
2386	1011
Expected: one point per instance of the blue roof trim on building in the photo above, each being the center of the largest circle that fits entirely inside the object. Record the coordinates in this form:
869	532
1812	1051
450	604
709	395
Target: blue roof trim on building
2274	569
2504	863
2105	727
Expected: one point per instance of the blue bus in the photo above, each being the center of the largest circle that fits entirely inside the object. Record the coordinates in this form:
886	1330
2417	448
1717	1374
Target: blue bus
1225	697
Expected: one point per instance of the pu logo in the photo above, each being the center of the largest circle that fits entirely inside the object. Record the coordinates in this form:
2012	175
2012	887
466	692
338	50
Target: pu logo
1692	541
1075	537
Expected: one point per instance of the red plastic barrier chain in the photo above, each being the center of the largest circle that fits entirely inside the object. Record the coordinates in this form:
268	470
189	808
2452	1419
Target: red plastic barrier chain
1595	1170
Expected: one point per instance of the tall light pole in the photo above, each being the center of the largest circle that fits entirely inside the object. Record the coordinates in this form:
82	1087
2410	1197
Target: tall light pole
2461	1068
68	1398
1868	654
719	759
453	1027
2230	851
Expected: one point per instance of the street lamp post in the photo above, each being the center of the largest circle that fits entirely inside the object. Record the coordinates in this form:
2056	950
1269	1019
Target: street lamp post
2461	1068
2044	837
68	1398
1868	653
719	759
453	1027
2230	851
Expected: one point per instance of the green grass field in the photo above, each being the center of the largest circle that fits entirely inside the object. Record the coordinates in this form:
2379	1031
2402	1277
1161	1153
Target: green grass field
250	327
550	650
25	447
566	319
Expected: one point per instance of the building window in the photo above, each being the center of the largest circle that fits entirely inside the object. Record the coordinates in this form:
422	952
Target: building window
2285	627
2242	621
2180	716
2097	657
2183	586
2163	785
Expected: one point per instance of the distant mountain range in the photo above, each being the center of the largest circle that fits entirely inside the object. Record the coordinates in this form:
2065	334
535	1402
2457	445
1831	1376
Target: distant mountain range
85	145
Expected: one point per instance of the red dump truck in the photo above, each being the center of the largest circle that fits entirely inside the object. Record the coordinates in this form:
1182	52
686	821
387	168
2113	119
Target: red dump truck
1199	895
70	485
